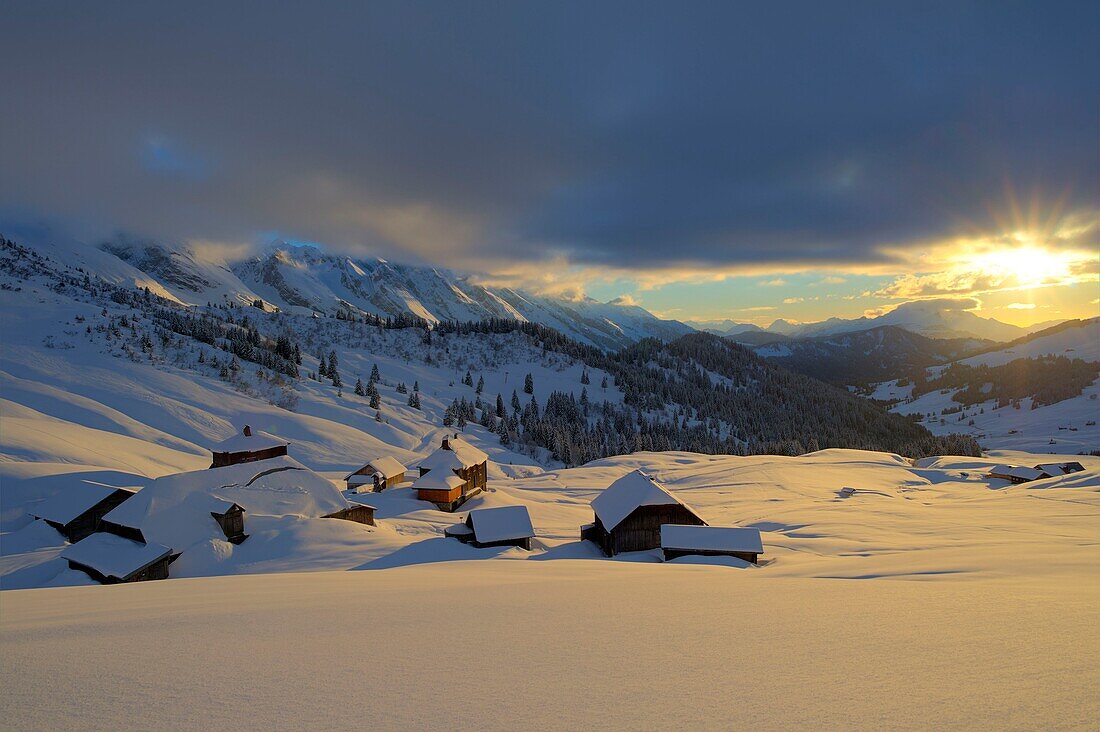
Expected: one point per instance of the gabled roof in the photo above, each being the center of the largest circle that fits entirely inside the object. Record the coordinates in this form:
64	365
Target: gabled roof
175	509
711	538
629	492
461	455
74	500
113	556
503	523
241	442
386	465
438	480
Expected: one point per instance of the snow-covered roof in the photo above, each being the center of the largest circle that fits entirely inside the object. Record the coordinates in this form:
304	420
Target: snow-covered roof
175	509
461	455
1053	469
628	493
386	465
1017	472
73	501
711	538
113	556
241	442
503	523
438	480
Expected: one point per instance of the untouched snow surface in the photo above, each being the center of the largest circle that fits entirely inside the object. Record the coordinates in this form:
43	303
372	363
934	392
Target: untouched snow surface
554	645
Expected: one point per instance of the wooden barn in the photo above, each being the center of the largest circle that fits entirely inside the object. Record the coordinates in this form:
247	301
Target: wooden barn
1016	473
377	475
111	559
77	510
502	526
711	541
454	458
360	513
630	512
1053	469
247	447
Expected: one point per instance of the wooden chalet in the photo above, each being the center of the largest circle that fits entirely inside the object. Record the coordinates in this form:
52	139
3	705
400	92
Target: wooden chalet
77	511
247	447
711	541
502	526
1016	473
111	559
630	512
377	475
455	459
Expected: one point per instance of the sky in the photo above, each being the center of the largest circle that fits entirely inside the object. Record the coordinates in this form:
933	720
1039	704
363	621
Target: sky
708	161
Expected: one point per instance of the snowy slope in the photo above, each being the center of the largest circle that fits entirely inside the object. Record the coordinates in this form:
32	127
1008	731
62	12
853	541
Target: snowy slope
1081	341
934	559
303	279
1062	427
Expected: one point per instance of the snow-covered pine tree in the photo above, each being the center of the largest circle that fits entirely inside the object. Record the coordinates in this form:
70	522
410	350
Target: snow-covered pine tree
375	400
529	384
480	385
500	407
468	379
584	377
359	387
374	375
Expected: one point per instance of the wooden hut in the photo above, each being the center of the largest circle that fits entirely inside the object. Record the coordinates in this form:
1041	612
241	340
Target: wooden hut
630	512
230	517
360	513
111	559
77	510
247	447
454	458
501	526
1016	473
446	490
377	475
711	541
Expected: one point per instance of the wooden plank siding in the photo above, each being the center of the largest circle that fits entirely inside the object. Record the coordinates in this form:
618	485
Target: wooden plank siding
222	459
641	530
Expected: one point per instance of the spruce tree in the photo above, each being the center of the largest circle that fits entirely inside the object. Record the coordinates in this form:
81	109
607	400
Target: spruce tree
375	401
480	385
529	384
359	388
374	375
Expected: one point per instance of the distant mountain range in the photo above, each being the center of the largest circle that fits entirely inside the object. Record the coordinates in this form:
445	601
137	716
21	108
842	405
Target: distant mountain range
865	356
304	279
931	318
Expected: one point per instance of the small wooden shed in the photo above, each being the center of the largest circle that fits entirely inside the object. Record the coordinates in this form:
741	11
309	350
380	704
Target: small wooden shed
630	512
77	511
247	447
446	490
377	475
230	517
711	541
501	526
360	513
111	559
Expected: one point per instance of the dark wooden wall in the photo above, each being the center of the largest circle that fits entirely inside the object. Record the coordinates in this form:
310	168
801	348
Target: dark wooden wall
222	459
641	530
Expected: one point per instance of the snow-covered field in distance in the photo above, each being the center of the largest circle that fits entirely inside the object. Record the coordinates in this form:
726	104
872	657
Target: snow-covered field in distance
1065	422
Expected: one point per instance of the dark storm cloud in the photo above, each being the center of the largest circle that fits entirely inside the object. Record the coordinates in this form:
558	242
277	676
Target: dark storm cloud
628	134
